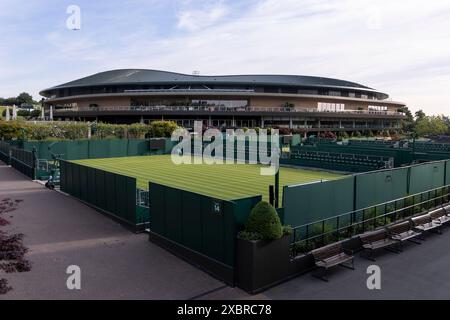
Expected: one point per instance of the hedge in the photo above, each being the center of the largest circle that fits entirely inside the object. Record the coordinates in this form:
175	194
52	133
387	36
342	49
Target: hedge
22	130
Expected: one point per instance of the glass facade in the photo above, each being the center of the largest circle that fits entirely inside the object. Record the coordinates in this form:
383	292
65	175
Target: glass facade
153	102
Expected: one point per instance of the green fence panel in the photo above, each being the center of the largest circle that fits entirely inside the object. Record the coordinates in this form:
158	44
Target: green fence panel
100	188
78	149
426	177
86	149
447	175
169	146
83	183
5	149
113	194
118	148
91	186
312	202
174	212
243	208
130	196
98	149
68	177
213	240
157	208
63	176
110	189
121	203
137	147
76	176
45	149
378	187
192	223
201	223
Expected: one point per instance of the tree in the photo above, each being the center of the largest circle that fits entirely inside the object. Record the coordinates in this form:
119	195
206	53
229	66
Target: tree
408	123
24	98
430	125
420	115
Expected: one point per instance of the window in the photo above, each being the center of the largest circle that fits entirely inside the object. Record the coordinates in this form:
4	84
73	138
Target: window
330	107
378	108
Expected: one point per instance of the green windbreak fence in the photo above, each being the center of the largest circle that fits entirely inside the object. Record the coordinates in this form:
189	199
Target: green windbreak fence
111	193
200	223
427	176
89	149
311	202
382	186
23	161
5	152
447	171
308	203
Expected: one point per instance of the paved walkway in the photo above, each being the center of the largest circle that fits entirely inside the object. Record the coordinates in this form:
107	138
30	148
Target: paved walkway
117	264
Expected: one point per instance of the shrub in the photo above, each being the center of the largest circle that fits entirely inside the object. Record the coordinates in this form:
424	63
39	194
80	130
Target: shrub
137	131
287	230
162	129
264	220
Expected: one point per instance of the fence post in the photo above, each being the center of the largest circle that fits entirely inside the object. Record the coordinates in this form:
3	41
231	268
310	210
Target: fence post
33	166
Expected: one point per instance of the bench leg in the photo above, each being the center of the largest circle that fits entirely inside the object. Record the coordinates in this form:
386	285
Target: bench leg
370	254
414	241
391	249
321	274
350	265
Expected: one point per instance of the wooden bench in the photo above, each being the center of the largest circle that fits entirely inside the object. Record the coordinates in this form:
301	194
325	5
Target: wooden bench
425	223
402	232
376	240
330	256
442	214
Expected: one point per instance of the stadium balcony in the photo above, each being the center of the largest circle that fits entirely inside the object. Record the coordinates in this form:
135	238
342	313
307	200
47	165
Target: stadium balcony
212	109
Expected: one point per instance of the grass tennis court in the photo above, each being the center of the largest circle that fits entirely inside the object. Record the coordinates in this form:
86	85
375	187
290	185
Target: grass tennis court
225	182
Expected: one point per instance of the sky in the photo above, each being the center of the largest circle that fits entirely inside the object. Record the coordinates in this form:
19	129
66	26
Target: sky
400	47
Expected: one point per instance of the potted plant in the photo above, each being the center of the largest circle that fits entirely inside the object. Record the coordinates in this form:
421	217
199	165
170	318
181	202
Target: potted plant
263	257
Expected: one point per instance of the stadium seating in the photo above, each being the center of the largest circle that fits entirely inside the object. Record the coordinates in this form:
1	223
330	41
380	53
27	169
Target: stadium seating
340	161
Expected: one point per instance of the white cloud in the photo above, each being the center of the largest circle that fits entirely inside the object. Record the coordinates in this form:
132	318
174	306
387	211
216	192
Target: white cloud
193	20
401	47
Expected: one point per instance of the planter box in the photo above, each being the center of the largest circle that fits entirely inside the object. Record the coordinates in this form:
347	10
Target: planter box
263	264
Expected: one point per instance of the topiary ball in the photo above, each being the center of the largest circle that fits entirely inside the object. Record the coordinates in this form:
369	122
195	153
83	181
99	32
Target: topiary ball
264	220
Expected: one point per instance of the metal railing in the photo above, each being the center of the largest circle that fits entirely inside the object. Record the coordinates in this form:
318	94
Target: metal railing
223	109
345	226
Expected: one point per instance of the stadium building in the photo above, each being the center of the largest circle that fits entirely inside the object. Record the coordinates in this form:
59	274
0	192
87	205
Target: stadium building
310	104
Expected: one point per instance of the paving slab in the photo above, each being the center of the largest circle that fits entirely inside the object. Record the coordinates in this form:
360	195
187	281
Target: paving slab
115	263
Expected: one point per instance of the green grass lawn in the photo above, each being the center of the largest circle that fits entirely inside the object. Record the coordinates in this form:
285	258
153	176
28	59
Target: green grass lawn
225	182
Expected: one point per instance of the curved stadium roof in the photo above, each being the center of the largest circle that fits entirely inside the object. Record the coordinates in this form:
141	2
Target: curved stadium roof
155	77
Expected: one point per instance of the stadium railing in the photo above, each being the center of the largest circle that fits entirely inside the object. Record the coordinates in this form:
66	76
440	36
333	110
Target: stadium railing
345	226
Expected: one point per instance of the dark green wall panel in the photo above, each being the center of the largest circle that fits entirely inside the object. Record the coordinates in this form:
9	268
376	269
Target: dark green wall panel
192	220
192	223
311	202
110	189
426	176
112	193
447	170
174	211
157	208
379	187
